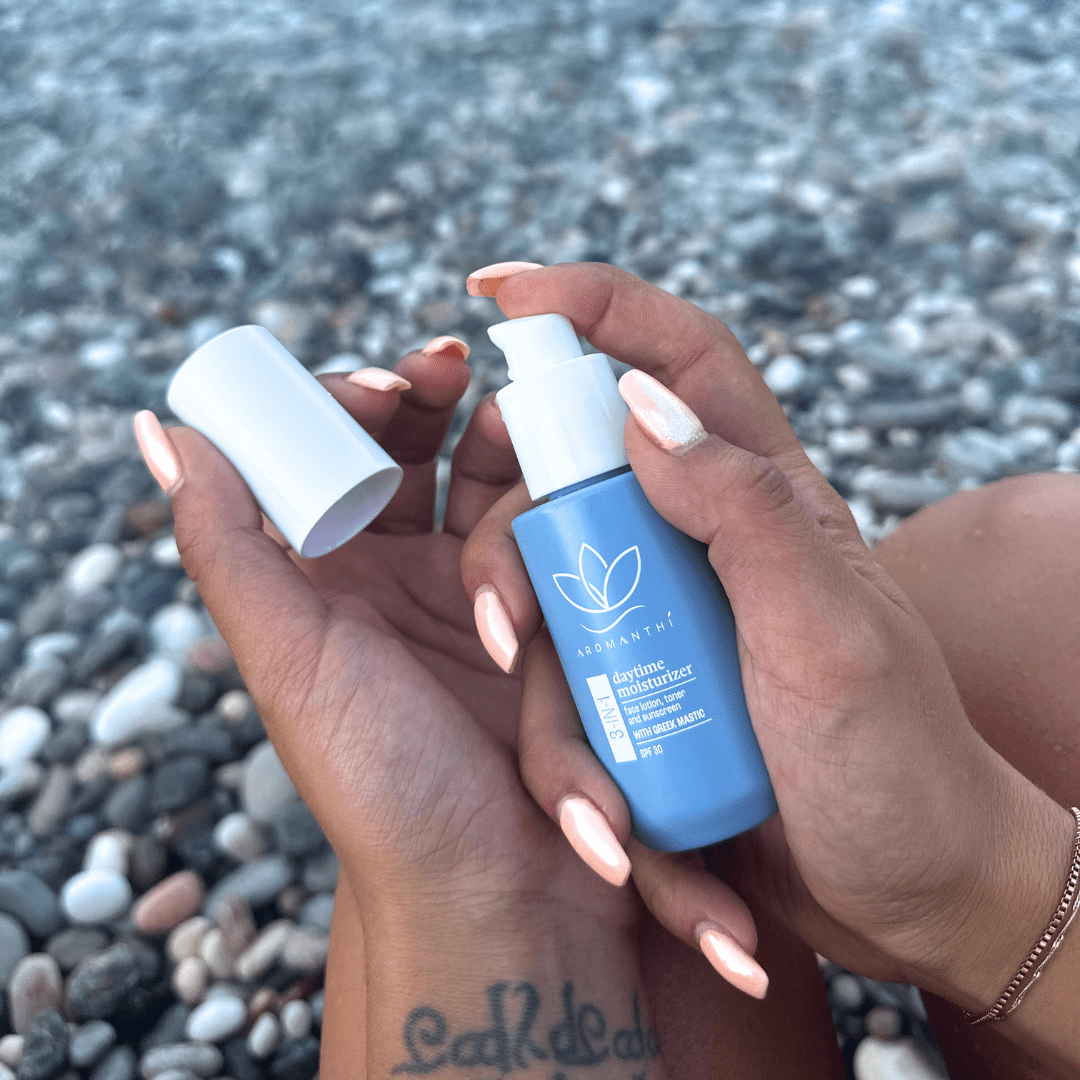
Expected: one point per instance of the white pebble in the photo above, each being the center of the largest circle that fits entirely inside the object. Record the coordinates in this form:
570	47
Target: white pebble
860	287
185	940
237	835
23	732
215	1020
190	979
296	1019
109	850
305	950
58	643
787	374
92	568
95	896
884	1021
854	378
174	628
6	1073
264	1036
850	442
876	1059
20	779
141	703
164	552
11	1048
977	396
75	706
234	705
267	787
215	955
847	991
259	956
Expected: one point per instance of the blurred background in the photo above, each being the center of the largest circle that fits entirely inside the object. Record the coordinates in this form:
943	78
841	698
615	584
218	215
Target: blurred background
880	199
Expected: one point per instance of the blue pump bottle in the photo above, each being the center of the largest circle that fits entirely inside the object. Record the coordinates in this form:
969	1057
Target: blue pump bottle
640	621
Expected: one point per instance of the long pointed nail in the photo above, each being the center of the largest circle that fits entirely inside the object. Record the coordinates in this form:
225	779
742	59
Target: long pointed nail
495	628
158	452
452	346
377	378
733	962
665	418
486	280
591	837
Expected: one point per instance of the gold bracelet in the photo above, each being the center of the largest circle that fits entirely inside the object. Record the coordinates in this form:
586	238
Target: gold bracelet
1052	936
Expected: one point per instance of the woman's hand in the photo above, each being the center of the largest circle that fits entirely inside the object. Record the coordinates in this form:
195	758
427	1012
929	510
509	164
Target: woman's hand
905	847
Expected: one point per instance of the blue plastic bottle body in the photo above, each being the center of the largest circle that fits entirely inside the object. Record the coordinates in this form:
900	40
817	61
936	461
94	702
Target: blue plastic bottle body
646	638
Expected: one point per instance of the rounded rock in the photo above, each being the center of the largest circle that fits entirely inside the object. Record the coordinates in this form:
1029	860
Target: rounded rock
184	941
14	945
169	903
118	1065
200	1058
876	1059
45	1048
238	836
70	947
884	1021
190	978
264	1036
296	832
97	988
217	1019
215	955
177	781
267	787
264	951
20	778
95	896
305	951
90	1043
296	1060
318	912
35	985
23	732
257	882
109	850
296	1018
91	568
11	1048
141	703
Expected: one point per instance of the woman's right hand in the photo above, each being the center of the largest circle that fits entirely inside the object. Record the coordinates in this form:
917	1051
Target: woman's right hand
905	847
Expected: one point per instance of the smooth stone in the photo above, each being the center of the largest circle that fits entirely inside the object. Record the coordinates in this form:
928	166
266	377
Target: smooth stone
128	763
31	901
75	706
215	1020
898	491
295	830
35	985
20	778
189	980
318	912
884	1022
305	950
65	744
52	801
320	872
45	1048
92	568
215	955
23	732
96	989
296	1018
169	1028
257	882
91	765
177	781
90	1043
264	1036
60	643
71	947
109	850
128	807
1021	410
35	683
267	787
96	896
120	1064
14	945
847	991
877	1059
236	923
296	1060
175	628
11	1048
235	705
169	903
238	1061
786	375
238	836
164	552
200	1058
291	899
141	703
263	952
148	862
930	412
185	939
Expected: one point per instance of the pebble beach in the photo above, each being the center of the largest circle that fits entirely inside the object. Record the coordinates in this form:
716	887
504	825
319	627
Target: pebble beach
880	199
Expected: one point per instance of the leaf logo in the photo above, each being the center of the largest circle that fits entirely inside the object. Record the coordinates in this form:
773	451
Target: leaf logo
599	589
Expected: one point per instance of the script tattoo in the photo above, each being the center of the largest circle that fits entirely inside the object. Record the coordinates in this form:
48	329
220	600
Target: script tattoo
579	1038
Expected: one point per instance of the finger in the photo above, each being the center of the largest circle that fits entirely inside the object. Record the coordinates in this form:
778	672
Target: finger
504	604
439	376
483	469
561	771
701	910
686	349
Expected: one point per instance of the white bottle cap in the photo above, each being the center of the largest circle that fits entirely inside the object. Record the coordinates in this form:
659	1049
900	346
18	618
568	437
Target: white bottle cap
316	473
563	410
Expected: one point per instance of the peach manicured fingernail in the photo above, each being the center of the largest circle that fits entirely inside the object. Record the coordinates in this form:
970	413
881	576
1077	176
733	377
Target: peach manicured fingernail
486	280
447	344
663	417
158	452
591	837
495	628
734	962
377	378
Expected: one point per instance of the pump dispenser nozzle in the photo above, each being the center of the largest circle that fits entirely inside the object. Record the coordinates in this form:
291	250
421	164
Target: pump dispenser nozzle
562	409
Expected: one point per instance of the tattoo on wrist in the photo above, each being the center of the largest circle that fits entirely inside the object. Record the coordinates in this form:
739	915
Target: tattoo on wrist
514	1037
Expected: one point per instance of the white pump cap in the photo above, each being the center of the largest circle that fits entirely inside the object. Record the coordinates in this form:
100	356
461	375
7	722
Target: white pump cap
562	410
318	476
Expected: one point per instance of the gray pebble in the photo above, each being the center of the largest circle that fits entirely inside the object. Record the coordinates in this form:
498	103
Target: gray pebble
31	901
90	1043
177	781
45	1047
257	882
899	491
119	1065
98	986
318	912
38	681
70	947
320	872
128	807
887	414
295	830
14	945
199	1058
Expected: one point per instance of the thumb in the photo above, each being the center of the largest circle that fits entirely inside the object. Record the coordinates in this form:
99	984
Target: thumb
767	547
